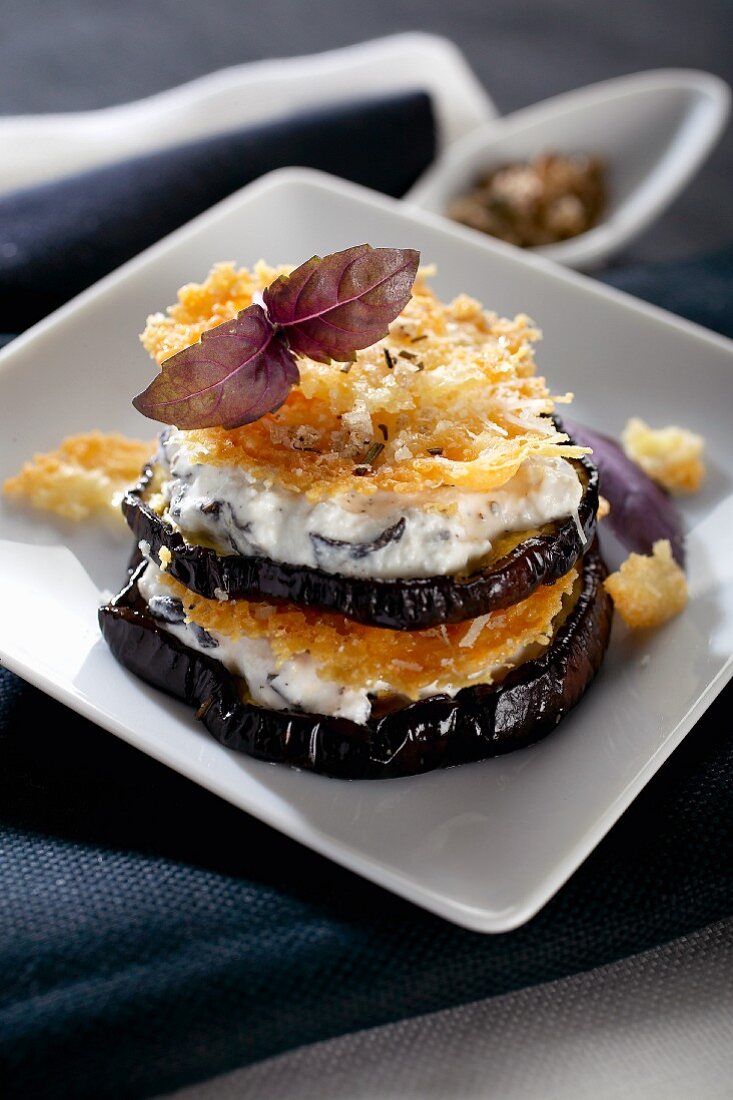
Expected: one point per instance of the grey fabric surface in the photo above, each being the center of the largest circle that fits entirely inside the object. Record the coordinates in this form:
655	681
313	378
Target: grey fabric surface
91	53
657	1026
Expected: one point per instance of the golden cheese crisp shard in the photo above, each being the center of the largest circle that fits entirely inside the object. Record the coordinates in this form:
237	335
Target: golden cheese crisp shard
647	590
354	654
451	396
671	456
84	478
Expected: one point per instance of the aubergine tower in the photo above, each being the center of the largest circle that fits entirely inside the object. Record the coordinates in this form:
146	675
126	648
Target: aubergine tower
394	571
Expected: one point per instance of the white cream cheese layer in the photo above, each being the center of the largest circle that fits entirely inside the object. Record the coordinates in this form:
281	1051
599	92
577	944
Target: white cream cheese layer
292	685
386	535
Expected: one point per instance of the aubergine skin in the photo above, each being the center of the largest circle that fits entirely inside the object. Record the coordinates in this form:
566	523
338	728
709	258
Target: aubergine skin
480	721
400	604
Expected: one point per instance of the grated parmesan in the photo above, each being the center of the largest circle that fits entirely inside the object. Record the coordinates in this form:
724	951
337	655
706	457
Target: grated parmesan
473	631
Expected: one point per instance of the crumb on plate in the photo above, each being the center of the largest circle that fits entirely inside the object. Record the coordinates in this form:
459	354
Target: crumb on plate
647	590
85	477
671	456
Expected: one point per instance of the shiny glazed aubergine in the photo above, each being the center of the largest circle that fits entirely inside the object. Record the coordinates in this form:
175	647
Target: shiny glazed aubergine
400	604
480	721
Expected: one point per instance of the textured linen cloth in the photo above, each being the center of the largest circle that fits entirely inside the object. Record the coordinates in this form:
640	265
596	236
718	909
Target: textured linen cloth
151	935
656	1026
700	289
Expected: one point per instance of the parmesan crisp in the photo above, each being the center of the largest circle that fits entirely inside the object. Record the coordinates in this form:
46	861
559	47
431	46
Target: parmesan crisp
647	590
672	456
450	393
84	478
354	654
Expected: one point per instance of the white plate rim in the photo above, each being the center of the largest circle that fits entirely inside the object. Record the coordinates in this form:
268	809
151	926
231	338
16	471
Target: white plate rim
471	917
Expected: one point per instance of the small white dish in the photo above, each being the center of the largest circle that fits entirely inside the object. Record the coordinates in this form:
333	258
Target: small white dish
44	147
484	845
653	130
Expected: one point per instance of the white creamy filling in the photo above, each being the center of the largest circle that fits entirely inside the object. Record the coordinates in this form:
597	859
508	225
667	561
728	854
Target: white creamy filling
292	685
385	535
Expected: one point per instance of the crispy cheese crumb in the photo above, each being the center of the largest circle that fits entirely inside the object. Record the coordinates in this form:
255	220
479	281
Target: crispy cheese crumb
604	508
648	590
671	456
165	558
84	478
354	654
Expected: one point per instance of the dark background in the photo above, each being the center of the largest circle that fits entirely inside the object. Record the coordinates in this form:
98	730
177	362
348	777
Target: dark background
89	53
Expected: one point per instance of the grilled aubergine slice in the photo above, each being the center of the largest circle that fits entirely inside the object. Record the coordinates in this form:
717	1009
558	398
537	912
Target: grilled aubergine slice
510	575
480	721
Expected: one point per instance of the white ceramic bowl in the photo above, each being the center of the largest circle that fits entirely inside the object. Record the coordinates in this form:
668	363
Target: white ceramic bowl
652	129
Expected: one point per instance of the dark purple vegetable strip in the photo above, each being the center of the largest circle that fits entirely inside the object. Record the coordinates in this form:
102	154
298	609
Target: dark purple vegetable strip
401	604
641	511
358	550
479	722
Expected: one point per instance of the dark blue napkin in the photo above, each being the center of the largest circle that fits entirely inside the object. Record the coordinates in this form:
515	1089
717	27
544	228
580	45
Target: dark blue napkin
151	935
700	288
60	237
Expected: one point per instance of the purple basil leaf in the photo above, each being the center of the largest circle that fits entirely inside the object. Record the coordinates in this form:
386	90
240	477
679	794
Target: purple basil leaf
641	511
329	308
235	374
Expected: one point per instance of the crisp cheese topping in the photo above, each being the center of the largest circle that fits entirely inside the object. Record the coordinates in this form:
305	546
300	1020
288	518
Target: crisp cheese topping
382	535
671	456
449	397
354	655
648	590
85	477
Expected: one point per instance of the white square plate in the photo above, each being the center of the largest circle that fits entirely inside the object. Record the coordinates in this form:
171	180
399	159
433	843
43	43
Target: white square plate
484	845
